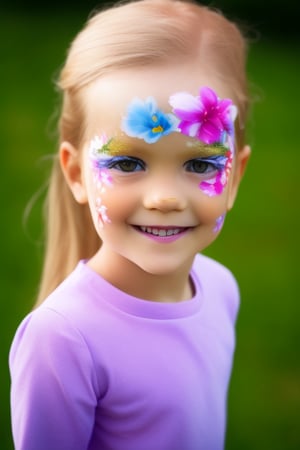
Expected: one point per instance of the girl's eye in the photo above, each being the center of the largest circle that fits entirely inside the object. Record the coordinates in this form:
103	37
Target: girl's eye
200	166
126	164
206	165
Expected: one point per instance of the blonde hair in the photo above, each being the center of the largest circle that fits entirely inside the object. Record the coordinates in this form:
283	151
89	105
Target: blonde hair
135	34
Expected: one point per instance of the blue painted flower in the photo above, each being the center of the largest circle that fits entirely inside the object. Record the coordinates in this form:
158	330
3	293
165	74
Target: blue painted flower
145	121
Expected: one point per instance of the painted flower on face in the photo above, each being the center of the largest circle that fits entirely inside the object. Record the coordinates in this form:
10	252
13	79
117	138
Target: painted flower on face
145	121
96	145
216	185
102	177
205	117
219	223
102	214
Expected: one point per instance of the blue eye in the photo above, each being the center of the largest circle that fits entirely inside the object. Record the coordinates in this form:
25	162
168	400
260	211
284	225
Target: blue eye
123	164
206	165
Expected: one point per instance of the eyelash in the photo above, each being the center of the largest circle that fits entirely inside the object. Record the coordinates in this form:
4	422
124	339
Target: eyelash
197	165
117	161
207	165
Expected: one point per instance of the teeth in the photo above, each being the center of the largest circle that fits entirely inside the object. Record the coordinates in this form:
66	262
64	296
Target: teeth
170	232
160	232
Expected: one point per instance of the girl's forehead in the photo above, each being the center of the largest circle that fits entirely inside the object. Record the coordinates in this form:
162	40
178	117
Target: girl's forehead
110	95
201	115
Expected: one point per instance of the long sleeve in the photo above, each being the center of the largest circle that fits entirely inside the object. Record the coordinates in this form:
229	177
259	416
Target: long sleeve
53	393
95	368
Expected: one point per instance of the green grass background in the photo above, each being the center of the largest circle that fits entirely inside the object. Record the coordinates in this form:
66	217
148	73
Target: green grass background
259	243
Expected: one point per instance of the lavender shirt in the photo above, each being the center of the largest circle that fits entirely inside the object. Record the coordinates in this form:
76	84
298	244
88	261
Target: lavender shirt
94	368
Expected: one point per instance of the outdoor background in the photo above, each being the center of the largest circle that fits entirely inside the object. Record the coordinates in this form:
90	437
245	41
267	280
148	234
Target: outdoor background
260	240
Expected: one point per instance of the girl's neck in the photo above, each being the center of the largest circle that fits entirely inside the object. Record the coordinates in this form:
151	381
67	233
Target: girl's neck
130	278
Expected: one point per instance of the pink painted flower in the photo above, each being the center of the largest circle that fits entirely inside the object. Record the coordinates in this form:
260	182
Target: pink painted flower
105	177
228	165
216	185
205	117
102	178
102	213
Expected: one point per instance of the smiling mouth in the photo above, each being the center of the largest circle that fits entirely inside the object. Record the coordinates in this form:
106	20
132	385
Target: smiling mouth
162	231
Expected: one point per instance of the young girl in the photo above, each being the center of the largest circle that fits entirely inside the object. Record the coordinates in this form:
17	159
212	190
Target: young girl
133	350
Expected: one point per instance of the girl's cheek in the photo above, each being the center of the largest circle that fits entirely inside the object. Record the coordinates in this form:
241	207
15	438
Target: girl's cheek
211	209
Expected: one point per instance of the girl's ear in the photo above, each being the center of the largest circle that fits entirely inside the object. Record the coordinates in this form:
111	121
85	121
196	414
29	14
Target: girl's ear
239	168
71	166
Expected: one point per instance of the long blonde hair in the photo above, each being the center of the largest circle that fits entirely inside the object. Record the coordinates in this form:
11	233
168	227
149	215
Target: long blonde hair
135	34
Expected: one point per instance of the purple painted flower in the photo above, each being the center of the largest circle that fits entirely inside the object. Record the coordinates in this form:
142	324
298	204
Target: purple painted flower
97	154
205	117
219	223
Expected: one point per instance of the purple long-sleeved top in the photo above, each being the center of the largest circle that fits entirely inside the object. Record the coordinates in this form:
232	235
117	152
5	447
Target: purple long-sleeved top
95	368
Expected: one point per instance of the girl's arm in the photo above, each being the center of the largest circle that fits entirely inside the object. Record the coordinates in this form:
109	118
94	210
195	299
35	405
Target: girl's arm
53	393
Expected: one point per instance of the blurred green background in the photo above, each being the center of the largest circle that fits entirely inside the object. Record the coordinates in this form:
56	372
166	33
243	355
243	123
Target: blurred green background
260	240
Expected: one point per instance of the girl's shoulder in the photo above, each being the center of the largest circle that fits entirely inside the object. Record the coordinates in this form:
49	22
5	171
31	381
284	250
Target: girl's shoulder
217	283
208	270
65	311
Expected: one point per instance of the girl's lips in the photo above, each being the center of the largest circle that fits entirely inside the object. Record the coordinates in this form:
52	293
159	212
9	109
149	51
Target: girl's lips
162	234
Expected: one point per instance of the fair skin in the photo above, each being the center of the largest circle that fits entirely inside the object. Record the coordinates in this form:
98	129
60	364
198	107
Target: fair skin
164	195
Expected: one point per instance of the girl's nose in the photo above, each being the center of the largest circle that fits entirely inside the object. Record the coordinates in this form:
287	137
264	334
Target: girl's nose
164	201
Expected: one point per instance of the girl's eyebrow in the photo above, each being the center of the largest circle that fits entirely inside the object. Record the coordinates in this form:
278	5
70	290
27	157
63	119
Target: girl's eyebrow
121	147
200	150
116	146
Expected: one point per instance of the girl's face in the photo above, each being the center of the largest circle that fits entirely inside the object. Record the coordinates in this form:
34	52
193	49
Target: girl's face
154	202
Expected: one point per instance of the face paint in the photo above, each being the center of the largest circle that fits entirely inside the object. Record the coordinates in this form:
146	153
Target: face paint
220	158
216	185
210	120
144	120
204	150
102	178
219	223
123	163
101	146
96	153
101	211
205	117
